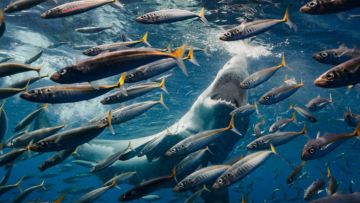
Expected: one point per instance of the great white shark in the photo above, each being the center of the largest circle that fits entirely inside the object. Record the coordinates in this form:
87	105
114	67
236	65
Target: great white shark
211	110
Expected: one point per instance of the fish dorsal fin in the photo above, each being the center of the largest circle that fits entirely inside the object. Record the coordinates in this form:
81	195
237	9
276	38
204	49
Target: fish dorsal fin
242	25
318	135
343	46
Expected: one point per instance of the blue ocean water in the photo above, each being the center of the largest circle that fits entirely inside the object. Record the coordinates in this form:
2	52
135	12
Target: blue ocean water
27	33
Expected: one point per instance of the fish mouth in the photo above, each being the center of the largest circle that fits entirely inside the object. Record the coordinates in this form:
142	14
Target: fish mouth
55	77
305	9
44	15
320	82
168	153
215	186
316	57
25	95
176	189
223	38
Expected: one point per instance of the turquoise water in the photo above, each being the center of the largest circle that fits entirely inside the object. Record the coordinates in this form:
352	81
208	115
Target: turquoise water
27	33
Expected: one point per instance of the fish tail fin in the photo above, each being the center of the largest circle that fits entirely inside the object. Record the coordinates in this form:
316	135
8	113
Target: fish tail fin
173	174
113	183
202	16
19	182
162	85
208	149
192	58
273	149
121	83
328	171
145	39
256	108
205	188
42	185
161	101
293	117
330	98
206	50
38	69
357	130
178	55
26	86
117	4
232	125
108	123
287	20
283	62
304	131
46	106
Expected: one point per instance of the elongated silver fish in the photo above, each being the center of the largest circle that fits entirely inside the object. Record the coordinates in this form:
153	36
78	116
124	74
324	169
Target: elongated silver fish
261	76
70	139
242	168
332	185
6	92
6	188
193	160
55	159
200	140
170	16
295	173
20	5
70	93
75	7
21	197
320	146
134	92
7	69
319	7
303	113
120	178
275	139
6	176
342	75
109	160
281	123
318	103
96	194
29	118
339	198
132	111
246	110
35	57
258	128
28	81
36	135
250	29
150	148
155	68
278	94
93	29
336	56
93	51
196	195
314	189
113	63
200	177
11	156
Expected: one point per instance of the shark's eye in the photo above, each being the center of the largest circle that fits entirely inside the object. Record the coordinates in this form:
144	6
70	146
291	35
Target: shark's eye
312	4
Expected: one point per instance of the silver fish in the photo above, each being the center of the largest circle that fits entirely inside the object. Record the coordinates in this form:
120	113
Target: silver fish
6	176
55	159
351	118
120	178
314	189
7	69
304	113
200	177
339	198
28	81
249	29
276	139
318	103
281	123
170	15
332	185
196	195
35	57
319	7
336	56
6	92
95	194
245	110
20	5
21	197
29	118
6	188
257	128
280	93
92	29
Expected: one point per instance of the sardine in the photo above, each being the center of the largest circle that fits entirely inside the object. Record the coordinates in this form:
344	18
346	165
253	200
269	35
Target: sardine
275	139
55	159
6	92
113	63
196	195
314	189
332	185
336	56
96	50
93	29
281	123
95	194
257	128
20	5
249	29
294	174
242	168
6	176
21	197
278	94
342	75
23	123
303	113
315	148
7	69
70	93
133	92
261	76
170	16
34	58
200	177
120	178
318	103
6	188
11	156
200	140
75	7
339	198
319	7
245	110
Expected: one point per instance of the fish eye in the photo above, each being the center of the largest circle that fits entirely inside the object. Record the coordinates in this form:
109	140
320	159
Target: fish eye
107	99
32	92
220	180
130	75
312	4
181	185
312	150
329	76
62	72
182	146
324	54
